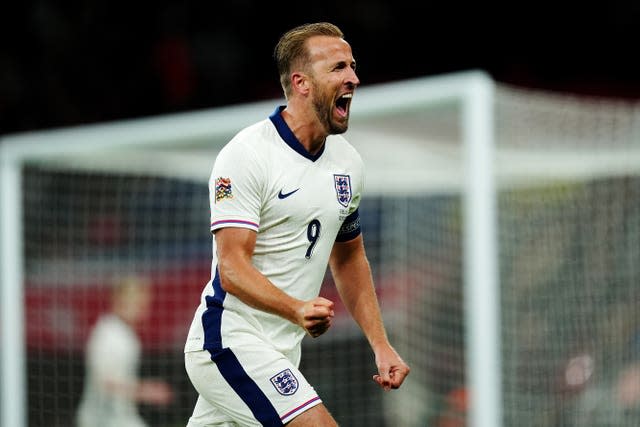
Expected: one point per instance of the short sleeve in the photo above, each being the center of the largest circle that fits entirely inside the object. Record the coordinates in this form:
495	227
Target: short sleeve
235	188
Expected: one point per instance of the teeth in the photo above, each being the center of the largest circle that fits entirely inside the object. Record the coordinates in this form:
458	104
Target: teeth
347	95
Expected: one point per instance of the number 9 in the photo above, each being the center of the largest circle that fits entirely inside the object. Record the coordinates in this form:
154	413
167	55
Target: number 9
313	233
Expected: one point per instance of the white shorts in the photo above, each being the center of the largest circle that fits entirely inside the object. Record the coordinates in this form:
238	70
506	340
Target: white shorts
248	386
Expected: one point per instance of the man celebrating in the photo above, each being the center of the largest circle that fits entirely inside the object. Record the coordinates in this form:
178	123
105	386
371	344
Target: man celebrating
284	197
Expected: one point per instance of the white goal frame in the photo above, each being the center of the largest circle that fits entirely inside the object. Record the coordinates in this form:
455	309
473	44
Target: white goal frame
473	89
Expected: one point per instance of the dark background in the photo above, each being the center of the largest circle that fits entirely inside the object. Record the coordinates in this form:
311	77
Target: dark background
77	62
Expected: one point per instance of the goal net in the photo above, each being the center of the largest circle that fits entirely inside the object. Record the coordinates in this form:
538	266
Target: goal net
84	208
569	252
567	173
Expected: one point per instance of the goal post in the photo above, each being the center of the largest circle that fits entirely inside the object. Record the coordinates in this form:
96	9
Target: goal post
81	148
143	158
183	145
502	225
13	373
481	283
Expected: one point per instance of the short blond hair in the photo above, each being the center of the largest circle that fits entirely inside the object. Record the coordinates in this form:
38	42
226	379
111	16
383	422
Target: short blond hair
291	51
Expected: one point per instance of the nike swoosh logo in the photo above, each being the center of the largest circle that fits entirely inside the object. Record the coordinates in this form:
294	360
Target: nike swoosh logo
282	195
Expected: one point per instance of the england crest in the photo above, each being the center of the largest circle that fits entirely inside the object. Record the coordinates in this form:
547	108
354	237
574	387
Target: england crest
342	184
285	382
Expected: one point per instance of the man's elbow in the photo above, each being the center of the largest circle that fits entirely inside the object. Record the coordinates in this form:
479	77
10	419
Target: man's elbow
227	275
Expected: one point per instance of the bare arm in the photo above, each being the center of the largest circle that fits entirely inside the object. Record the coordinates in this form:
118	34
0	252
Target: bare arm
240	278
152	391
352	274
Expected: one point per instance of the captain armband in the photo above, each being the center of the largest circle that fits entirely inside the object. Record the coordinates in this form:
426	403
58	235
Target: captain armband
350	228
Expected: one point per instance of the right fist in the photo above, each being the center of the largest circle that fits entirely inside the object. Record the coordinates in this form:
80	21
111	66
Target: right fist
315	316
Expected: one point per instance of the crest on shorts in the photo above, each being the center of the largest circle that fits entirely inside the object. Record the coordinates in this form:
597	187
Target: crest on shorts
285	382
342	184
223	189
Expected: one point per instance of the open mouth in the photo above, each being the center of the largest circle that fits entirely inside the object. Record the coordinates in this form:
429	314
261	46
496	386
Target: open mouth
343	103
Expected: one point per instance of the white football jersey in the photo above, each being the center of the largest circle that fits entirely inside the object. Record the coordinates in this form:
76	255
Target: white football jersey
112	354
298	205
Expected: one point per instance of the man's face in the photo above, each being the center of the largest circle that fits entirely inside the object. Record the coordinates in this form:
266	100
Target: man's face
333	81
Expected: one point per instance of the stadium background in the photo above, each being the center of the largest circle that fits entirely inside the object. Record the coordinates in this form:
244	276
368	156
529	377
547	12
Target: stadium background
78	62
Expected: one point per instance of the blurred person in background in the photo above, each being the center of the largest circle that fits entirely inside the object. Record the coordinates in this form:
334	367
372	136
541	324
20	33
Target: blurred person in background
112	387
606	391
284	198
454	410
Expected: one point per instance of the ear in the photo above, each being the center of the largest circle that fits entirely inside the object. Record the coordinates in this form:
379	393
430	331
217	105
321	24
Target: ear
300	83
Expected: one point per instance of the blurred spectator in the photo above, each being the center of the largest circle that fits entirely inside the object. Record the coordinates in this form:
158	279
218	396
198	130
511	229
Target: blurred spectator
112	387
454	412
628	387
612	397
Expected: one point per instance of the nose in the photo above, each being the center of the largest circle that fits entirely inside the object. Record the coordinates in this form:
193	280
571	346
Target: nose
352	78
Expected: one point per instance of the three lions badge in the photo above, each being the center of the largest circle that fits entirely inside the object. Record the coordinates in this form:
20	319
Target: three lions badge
285	382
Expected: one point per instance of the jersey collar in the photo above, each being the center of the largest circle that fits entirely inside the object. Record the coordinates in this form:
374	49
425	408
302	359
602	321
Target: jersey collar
287	135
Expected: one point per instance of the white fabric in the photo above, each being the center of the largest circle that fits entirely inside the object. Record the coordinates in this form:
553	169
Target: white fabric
112	354
261	364
259	166
245	364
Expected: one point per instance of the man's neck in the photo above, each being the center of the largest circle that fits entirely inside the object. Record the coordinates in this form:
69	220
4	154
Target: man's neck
305	129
